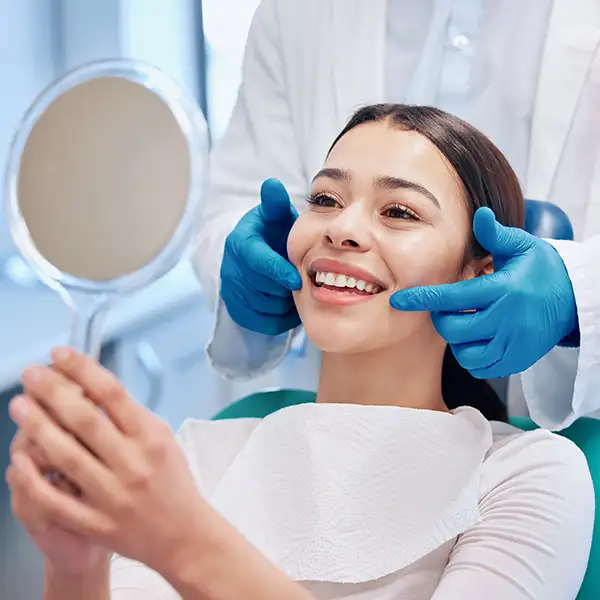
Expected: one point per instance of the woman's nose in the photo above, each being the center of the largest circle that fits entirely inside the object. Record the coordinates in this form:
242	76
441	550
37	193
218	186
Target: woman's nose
341	243
346	232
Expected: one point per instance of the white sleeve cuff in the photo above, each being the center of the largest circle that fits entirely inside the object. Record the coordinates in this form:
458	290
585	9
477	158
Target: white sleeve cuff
563	386
240	354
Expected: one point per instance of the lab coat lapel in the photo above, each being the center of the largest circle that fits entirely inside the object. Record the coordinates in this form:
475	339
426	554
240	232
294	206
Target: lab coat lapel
573	35
357	68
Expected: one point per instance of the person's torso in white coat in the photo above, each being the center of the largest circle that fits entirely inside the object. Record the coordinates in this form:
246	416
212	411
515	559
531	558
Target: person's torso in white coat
309	64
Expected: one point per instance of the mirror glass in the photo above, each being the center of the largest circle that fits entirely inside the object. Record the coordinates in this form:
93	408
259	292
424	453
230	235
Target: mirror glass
105	178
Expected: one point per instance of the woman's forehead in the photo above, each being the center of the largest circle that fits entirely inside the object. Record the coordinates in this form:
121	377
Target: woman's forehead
372	150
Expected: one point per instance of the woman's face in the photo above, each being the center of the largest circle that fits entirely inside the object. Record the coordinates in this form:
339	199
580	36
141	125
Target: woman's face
386	213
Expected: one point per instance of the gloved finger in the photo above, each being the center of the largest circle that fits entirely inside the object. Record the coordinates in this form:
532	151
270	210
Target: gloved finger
480	355
472	294
259	302
276	214
259	257
498	239
466	328
275	204
265	285
258	322
501	369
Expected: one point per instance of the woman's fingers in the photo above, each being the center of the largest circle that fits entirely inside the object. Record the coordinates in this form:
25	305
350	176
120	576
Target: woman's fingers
65	402
103	388
50	504
27	512
21	443
63	452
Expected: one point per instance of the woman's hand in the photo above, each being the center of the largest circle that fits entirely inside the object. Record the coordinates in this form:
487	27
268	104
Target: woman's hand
66	553
138	496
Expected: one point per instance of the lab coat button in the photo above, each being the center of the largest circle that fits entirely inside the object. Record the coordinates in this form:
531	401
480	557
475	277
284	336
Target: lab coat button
460	41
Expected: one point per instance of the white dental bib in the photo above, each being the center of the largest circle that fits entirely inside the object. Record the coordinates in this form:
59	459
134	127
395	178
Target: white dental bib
350	494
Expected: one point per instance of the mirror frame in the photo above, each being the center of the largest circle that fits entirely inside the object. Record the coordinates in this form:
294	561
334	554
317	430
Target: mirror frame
193	126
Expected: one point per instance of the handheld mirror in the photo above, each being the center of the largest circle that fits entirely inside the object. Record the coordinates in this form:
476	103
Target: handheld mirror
104	182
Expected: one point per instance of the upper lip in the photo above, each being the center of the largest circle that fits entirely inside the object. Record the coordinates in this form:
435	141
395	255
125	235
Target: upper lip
329	265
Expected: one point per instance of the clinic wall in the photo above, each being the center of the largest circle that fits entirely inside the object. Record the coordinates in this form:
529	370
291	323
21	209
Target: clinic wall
164	35
27	64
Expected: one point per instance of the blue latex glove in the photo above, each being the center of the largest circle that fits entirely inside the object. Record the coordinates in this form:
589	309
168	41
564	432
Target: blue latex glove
256	277
524	309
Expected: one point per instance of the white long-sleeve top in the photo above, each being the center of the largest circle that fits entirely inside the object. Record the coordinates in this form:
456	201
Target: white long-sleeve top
382	503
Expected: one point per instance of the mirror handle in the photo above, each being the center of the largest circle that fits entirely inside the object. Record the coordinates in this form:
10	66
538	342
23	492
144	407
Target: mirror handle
88	312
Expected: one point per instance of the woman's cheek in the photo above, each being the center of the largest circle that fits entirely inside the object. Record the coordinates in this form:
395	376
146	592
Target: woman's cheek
437	264
293	246
299	240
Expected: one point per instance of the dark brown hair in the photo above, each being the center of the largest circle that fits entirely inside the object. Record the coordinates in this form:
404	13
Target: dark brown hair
487	179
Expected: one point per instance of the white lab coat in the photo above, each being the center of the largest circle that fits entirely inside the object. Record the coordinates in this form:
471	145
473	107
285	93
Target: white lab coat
308	65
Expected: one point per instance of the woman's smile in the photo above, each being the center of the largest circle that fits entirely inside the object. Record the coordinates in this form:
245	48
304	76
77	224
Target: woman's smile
340	284
339	295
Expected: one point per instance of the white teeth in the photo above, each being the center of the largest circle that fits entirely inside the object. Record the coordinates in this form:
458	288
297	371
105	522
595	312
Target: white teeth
346	281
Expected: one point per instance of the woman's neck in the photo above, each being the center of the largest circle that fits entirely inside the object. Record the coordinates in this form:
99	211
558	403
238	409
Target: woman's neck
407	375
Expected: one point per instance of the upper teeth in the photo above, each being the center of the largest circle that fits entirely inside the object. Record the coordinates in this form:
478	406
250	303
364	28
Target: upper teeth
339	280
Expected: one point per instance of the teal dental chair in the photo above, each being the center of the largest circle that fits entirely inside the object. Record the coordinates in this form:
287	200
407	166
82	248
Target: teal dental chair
544	220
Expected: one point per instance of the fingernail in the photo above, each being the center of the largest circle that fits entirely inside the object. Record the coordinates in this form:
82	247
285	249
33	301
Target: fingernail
32	374
61	354
18	408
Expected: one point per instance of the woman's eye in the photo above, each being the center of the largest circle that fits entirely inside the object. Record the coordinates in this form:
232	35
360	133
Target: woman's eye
400	212
323	200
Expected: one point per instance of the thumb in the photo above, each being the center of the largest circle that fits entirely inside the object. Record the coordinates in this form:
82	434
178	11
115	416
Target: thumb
496	238
275	204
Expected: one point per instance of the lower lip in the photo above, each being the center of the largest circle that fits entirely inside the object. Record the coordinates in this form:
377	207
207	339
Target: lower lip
338	298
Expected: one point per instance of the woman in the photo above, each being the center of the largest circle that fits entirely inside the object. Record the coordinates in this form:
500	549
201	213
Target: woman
377	491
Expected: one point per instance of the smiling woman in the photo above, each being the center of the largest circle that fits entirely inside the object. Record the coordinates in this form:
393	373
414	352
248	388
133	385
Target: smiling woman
392	485
392	208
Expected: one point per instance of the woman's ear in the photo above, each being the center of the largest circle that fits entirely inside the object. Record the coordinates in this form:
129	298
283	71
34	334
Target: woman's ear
485	266
478	267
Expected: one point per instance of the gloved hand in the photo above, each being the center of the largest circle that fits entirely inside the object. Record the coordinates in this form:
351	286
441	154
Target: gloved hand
256	277
524	309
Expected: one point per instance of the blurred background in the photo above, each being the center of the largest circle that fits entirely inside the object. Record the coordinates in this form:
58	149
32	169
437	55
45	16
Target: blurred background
155	339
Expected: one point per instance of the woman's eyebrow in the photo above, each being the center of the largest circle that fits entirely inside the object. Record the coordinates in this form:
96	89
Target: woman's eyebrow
382	181
394	183
332	173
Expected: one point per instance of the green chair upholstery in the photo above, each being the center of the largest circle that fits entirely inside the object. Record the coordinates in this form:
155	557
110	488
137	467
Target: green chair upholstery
585	433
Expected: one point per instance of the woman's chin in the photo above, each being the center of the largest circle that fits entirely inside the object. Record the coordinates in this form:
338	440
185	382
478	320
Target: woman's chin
341	335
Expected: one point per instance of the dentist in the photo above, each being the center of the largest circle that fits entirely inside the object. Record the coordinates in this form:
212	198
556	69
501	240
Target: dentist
308	64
